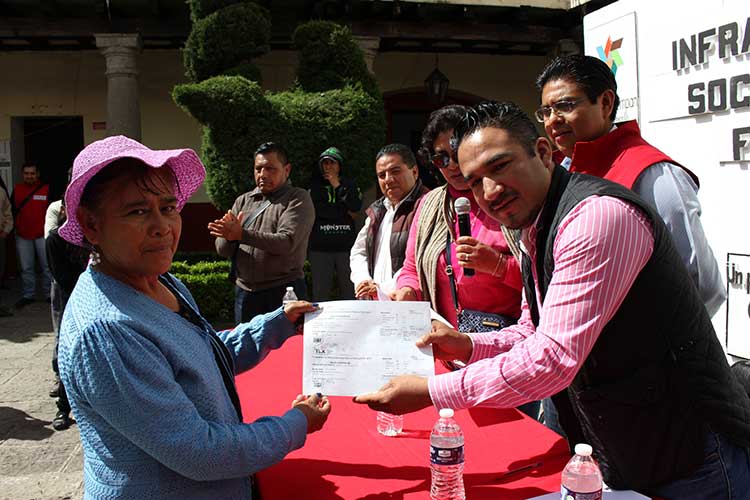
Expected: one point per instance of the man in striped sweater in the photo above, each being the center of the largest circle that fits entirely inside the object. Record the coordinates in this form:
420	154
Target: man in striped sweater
611	326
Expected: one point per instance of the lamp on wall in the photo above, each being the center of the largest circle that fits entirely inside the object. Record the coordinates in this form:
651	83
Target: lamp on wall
436	84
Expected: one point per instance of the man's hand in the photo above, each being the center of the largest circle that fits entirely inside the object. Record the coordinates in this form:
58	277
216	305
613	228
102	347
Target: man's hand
366	288
404	394
228	227
295	310
477	256
405	293
316	409
447	343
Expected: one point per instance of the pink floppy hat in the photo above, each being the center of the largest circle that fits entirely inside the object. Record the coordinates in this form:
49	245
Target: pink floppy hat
188	170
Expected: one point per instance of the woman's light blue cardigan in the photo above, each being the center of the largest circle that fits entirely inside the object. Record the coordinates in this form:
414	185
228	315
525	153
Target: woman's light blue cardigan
154	415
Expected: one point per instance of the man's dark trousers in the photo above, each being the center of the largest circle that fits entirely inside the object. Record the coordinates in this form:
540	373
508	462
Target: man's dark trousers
247	305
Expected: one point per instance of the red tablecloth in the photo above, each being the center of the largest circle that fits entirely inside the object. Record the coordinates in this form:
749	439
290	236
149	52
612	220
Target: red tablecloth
349	460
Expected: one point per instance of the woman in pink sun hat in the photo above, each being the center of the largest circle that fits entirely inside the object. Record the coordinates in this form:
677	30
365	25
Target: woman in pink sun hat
151	383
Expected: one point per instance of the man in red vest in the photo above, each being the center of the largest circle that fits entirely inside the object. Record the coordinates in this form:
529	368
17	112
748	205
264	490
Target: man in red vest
578	106
30	200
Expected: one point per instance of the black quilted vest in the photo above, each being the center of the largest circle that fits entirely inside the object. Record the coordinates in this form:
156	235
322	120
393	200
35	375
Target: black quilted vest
657	375
402	220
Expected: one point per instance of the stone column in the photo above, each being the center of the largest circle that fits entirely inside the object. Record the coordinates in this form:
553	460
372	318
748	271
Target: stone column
123	107
370	46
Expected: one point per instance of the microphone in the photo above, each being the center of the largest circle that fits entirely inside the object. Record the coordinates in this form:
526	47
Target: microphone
463	207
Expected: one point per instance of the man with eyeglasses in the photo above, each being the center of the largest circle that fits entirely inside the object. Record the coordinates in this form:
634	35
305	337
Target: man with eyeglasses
265	234
579	104
379	250
610	325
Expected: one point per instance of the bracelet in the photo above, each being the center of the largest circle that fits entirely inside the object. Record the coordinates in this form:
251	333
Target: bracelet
497	266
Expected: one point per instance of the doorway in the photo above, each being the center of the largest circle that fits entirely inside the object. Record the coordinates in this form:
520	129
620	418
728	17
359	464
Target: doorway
407	112
52	143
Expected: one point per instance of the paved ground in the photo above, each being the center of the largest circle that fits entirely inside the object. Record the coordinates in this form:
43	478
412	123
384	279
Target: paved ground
36	462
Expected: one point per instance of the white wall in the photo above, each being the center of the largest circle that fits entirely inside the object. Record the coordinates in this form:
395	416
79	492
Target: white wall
701	142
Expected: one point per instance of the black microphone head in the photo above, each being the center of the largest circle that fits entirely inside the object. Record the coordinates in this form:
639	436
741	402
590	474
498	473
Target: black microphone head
462	206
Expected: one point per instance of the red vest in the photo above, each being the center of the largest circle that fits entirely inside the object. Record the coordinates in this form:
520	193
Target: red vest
30	220
619	156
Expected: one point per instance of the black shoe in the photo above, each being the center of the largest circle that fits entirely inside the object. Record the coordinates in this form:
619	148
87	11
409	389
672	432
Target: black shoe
62	421
23	302
55	391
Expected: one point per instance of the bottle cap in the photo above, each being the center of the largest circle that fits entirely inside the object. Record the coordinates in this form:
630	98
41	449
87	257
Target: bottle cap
584	449
446	413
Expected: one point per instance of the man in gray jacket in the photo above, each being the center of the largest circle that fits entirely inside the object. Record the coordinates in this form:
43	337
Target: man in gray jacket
265	235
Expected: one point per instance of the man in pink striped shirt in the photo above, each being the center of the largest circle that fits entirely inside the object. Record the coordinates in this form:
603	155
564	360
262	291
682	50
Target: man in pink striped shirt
648	387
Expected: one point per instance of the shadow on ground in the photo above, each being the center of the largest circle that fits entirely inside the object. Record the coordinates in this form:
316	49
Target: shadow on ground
27	323
17	424
14	333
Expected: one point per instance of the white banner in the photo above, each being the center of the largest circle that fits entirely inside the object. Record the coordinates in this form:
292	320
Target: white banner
738	305
614	42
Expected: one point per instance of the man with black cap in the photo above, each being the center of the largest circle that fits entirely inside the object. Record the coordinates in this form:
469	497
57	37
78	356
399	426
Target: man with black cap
336	199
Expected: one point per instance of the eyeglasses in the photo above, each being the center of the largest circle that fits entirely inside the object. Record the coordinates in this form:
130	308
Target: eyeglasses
442	159
560	108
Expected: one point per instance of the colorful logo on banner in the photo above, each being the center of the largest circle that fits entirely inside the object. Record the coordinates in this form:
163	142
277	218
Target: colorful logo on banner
610	54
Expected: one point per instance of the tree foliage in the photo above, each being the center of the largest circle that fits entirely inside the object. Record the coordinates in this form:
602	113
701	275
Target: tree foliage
335	101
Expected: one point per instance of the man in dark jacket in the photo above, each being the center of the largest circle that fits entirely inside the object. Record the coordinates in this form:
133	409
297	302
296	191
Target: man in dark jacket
66	263
336	199
611	325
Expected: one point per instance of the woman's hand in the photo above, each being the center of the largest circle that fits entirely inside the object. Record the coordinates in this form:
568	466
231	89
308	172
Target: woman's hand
316	409
295	310
405	293
478	256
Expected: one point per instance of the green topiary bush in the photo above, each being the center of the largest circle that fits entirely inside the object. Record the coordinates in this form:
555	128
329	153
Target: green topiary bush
209	284
201	8
225	39
330	58
193	257
335	101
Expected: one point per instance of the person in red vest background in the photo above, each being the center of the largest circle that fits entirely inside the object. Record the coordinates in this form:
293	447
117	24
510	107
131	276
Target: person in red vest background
578	107
30	199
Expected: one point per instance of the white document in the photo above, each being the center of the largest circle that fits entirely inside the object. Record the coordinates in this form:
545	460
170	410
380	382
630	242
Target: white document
354	347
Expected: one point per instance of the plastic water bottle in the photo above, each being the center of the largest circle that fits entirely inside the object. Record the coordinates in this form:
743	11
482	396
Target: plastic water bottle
390	425
447	458
581	478
289	296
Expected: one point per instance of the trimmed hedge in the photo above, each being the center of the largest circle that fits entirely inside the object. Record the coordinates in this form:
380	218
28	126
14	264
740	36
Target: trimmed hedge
210	286
193	257
225	39
335	101
330	58
236	113
201	8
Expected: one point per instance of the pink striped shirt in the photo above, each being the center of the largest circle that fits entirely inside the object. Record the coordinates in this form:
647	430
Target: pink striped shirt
481	292
600	248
